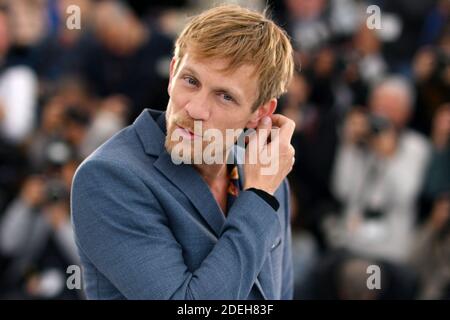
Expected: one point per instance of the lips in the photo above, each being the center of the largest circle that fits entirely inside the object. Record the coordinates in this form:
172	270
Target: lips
187	132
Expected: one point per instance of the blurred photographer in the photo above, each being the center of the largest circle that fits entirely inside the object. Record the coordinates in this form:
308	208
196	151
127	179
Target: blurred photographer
431	255
437	181
60	135
377	174
36	234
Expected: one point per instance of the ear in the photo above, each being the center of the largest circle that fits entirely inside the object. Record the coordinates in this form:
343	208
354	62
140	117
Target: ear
263	110
171	74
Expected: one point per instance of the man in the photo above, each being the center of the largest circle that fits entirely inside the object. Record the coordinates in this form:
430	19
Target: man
148	228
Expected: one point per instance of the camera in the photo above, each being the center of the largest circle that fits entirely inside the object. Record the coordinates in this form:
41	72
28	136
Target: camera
377	124
56	191
373	214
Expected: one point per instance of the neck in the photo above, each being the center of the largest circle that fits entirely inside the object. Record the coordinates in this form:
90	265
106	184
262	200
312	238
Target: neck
212	172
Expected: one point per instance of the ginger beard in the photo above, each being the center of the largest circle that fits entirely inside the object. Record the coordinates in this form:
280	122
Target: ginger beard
202	145
179	131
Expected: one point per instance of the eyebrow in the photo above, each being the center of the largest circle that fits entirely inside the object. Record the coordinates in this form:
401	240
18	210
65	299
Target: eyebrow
235	94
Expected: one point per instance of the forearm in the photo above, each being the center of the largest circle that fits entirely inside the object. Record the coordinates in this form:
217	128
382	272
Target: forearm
231	268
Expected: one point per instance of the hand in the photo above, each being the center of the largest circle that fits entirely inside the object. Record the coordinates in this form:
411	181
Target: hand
33	191
278	153
384	143
57	214
354	223
32	284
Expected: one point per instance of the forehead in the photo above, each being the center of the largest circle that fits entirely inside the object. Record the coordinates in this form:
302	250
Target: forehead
214	73
385	96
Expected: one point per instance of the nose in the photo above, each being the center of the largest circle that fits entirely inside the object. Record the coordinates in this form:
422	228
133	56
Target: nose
197	107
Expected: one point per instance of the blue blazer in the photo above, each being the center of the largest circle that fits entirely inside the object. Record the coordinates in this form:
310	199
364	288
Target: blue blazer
147	228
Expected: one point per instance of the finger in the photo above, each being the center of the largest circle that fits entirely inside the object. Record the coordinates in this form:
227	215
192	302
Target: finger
286	125
263	132
291	150
274	136
278	119
258	137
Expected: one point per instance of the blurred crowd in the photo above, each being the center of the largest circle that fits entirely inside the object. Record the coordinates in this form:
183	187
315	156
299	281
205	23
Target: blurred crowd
371	183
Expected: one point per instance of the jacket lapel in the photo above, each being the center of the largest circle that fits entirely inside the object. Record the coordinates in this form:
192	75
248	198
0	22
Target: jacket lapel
189	181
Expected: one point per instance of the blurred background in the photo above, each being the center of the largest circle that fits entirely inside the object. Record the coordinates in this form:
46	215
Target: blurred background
371	184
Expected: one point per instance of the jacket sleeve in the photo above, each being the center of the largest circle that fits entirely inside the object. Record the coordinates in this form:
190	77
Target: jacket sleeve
121	228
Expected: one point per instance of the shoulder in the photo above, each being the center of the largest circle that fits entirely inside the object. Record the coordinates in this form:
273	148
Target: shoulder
118	149
112	167
109	185
415	143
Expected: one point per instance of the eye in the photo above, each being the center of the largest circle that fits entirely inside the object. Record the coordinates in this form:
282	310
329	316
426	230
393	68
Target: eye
190	81
226	97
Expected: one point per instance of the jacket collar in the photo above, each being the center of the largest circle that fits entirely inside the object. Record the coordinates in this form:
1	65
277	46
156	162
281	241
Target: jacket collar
150	127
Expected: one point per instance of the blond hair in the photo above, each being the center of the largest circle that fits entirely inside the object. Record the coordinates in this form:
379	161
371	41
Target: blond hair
242	37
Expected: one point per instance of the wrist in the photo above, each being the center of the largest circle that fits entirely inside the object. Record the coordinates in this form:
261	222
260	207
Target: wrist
267	197
271	192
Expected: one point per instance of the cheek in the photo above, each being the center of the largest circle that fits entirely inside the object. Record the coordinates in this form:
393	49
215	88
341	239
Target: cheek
179	98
